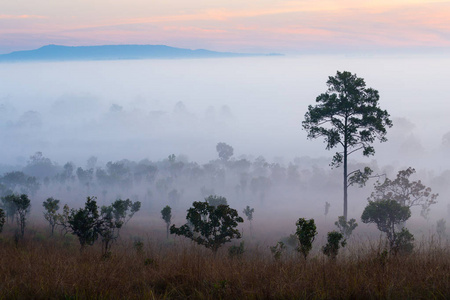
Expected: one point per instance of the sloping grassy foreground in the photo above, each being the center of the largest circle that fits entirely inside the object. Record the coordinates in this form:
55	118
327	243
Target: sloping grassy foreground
53	268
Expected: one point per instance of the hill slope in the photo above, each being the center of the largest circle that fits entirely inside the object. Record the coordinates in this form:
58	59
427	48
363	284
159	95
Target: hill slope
113	52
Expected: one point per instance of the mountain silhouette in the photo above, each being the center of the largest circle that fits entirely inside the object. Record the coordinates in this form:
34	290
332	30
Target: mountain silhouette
114	52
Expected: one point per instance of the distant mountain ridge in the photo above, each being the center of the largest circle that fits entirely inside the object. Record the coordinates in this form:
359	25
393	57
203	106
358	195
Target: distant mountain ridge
114	52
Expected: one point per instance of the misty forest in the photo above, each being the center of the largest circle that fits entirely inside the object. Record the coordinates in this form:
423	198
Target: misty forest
203	190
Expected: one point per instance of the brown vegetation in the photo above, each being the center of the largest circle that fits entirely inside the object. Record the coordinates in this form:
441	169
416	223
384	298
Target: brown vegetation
43	267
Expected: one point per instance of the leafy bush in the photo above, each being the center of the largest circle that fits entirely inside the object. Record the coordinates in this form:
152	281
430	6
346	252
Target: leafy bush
404	242
277	250
112	218
236	251
84	223
346	227
210	226
386	214
2	219
166	214
306	233
18	206
335	241
51	207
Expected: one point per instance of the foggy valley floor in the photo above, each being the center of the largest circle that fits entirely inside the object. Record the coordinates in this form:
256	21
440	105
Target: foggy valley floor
44	267
112	129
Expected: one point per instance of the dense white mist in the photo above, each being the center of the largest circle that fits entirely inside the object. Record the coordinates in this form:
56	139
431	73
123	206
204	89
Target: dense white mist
152	108
149	109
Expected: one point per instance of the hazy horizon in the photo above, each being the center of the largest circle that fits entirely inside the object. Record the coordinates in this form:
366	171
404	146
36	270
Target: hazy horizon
153	108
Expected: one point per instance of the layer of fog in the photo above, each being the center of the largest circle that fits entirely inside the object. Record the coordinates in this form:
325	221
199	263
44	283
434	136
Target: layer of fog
150	109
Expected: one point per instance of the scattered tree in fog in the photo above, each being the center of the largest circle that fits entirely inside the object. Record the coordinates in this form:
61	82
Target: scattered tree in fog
2	219
210	226
440	229
277	250
405	192
224	151
215	200
346	227
248	212
83	223
327	208
112	218
236	251
335	240
18	206
40	166
166	214
306	233
67	174
62	220
404	242
347	115
174	196
18	181
387	214
8	207
51	207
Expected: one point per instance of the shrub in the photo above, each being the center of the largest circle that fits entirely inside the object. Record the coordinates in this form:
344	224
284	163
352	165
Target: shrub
386	214
346	227
335	241
210	226
306	233
51	206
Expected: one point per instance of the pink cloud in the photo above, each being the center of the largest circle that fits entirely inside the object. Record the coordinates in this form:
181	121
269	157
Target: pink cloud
16	17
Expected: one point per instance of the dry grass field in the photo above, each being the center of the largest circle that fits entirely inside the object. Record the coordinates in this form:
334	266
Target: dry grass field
43	267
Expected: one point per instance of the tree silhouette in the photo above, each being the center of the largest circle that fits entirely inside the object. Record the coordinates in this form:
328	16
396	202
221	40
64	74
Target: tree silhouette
51	207
386	214
348	116
210	226
166	214
405	192
18	206
224	151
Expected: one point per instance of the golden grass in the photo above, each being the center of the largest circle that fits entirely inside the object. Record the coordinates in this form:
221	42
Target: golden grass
41	267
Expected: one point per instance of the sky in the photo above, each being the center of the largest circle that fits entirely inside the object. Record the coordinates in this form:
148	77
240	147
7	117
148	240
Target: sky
241	26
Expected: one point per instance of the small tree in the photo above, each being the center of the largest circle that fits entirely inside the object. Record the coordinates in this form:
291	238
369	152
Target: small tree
85	223
405	192
9	207
210	226
386	214
249	214
51	207
2	219
440	229
62	219
112	219
215	201
327	208
404	242
236	251
224	151
306	233
335	240
18	206
277	250
166	214
346	227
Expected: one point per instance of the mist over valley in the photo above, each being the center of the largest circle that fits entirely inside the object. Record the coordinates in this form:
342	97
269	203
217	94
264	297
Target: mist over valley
136	113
